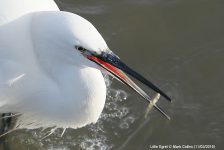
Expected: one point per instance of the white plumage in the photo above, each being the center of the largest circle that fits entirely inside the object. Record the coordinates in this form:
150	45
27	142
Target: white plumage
42	75
50	65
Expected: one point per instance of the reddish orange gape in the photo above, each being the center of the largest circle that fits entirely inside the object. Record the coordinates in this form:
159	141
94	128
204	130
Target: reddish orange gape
122	77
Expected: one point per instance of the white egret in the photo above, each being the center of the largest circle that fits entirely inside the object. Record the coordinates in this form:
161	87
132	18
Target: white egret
50	63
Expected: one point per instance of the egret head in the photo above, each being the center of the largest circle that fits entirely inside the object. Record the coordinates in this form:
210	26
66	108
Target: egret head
64	35
76	41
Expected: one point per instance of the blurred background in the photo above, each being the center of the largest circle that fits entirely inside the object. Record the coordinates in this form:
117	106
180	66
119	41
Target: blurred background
176	44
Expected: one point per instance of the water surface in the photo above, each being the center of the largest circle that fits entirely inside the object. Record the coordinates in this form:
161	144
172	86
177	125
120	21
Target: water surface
176	44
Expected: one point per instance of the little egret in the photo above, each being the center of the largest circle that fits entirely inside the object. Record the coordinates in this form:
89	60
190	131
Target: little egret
50	66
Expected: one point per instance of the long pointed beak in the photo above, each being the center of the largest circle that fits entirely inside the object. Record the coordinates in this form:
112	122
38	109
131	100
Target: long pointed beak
114	66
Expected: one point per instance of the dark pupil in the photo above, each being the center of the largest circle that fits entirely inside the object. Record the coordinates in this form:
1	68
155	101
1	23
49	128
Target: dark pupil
80	48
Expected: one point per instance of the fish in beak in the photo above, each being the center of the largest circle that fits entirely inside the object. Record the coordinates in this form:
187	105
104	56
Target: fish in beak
112	64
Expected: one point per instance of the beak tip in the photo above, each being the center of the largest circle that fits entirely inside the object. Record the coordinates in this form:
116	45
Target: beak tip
168	117
165	96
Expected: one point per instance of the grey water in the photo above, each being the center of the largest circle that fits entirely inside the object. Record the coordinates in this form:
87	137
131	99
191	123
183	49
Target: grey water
176	44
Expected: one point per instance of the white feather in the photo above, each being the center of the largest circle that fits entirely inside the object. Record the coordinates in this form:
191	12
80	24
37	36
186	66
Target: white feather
51	83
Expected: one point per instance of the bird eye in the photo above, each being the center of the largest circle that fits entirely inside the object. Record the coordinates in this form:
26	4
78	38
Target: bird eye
80	48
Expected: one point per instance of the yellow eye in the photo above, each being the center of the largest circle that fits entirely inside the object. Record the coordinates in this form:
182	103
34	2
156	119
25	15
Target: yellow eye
80	48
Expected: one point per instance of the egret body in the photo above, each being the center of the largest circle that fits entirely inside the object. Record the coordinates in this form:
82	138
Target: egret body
50	64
